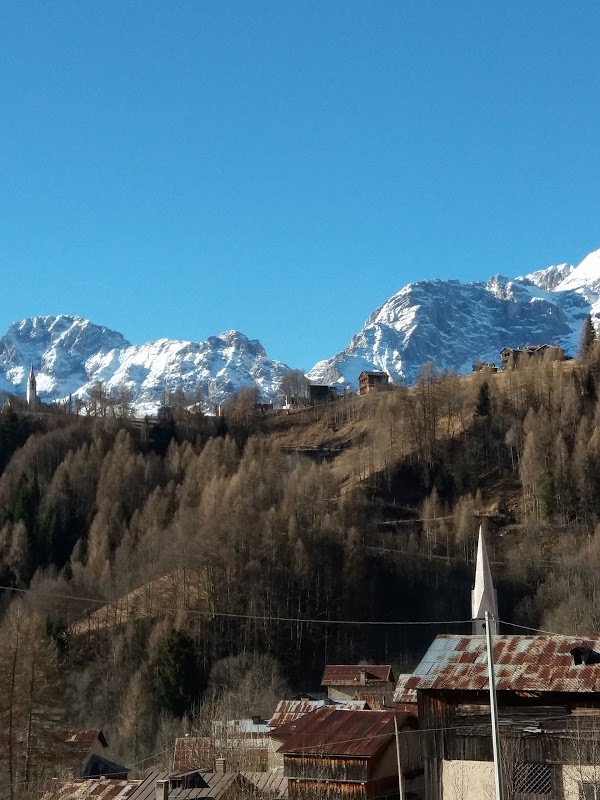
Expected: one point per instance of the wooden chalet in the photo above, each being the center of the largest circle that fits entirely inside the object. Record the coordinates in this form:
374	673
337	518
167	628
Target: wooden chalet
372	381
512	355
350	754
319	393
548	690
343	681
484	366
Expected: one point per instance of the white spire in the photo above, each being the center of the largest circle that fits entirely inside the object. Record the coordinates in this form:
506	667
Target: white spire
483	596
31	390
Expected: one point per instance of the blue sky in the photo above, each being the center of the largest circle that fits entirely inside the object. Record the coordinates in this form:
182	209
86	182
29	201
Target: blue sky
181	168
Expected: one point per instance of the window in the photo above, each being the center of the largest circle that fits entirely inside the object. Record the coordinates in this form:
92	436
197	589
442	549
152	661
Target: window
589	791
532	779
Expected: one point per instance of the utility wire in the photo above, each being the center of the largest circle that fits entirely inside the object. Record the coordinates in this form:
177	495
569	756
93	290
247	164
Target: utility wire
227	614
540	630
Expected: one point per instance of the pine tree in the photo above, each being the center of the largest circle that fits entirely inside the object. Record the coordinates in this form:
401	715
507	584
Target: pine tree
483	405
177	674
588	336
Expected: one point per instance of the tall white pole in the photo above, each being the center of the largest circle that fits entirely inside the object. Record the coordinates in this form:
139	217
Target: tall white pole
400	775
493	707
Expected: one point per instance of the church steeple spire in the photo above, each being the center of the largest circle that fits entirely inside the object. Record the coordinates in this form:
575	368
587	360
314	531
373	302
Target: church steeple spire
31	390
483	596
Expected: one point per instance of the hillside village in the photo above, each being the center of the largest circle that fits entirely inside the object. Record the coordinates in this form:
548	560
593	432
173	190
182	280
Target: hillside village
185	582
370	734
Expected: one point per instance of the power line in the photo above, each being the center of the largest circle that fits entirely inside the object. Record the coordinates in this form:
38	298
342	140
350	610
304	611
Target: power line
234	615
539	630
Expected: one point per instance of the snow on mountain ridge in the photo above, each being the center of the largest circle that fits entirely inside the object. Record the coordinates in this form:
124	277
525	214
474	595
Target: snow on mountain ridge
71	354
449	323
453	324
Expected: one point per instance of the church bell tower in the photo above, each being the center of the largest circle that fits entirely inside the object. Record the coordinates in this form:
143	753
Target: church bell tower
31	390
483	596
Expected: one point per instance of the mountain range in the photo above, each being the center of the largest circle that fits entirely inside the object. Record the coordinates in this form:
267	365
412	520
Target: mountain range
449	323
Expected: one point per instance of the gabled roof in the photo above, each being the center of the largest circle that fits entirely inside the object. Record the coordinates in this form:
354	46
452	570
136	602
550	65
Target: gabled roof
359	734
348	674
542	663
97	766
216	785
81	741
373	374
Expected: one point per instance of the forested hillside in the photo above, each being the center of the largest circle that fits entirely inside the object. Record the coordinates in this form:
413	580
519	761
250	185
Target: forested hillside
236	531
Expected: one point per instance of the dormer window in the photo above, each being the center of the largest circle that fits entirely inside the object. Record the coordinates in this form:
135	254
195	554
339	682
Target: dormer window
584	655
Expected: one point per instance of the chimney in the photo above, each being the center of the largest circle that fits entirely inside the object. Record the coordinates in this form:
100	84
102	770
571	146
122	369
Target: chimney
219	765
256	719
162	790
363	677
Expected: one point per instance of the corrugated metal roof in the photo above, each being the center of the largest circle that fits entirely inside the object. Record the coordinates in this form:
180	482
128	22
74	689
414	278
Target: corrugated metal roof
541	663
375	700
348	674
84	739
403	695
329	732
290	710
271	783
193	753
98	789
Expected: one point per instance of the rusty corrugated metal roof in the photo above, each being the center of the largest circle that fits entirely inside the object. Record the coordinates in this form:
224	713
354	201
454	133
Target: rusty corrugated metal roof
329	732
403	694
83	740
290	710
375	700
92	788
193	753
541	663
349	674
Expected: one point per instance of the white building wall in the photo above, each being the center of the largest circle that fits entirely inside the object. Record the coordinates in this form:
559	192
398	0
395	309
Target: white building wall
343	692
575	774
468	780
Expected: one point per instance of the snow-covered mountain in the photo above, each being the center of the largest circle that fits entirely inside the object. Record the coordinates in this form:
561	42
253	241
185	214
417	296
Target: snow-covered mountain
449	323
71	354
453	324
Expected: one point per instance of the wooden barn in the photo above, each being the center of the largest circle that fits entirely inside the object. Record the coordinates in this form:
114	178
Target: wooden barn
372	381
343	681
350	754
548	690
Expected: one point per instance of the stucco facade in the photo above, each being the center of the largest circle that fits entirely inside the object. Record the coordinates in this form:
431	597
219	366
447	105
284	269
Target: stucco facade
468	780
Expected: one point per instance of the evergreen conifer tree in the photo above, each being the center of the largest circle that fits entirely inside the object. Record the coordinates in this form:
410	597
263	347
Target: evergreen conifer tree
588	336
483	406
177	674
